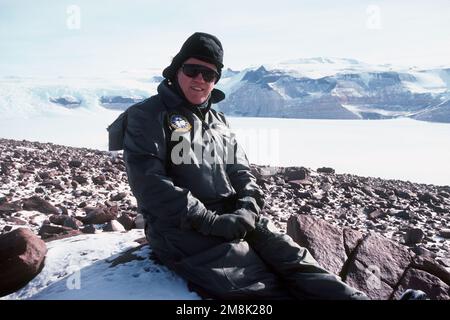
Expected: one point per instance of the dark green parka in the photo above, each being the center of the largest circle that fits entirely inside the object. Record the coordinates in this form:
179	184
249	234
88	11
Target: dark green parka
183	166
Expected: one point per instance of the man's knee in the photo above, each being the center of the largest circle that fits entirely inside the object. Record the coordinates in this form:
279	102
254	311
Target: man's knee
276	247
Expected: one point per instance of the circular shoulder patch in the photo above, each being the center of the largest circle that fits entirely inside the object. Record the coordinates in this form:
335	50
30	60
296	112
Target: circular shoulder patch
179	123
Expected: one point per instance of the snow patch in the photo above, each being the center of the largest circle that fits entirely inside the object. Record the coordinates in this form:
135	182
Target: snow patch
80	268
430	81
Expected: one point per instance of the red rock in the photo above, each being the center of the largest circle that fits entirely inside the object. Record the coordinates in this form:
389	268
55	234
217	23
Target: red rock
47	230
97	215
126	221
389	257
369	280
352	239
435	288
39	204
10	207
323	240
22	256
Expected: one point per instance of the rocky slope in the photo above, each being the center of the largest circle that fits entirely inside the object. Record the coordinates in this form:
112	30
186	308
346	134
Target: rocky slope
59	191
416	215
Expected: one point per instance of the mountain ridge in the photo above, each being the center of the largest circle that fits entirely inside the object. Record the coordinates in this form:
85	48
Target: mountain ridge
364	92
305	88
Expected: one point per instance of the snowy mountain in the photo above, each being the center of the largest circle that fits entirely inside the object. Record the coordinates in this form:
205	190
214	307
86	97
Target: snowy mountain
315	88
323	88
276	94
30	97
438	113
318	67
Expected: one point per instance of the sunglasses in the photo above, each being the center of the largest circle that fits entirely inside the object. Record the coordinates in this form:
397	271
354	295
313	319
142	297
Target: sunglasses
193	70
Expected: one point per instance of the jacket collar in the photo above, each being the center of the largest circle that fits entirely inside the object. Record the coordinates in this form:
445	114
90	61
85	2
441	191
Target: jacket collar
172	100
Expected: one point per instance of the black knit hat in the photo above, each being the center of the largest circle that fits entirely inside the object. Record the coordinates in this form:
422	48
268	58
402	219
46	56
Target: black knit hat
202	46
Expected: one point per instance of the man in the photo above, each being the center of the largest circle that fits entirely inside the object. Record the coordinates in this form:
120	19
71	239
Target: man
201	203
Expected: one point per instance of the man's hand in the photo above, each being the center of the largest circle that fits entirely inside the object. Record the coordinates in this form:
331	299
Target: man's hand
231	226
249	216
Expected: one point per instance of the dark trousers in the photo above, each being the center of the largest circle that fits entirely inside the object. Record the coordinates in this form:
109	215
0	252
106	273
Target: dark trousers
296	267
265	265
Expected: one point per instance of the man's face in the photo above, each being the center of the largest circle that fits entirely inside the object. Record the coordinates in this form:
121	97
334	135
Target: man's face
196	89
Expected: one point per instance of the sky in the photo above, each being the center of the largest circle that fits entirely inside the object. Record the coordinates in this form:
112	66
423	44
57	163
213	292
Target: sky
81	37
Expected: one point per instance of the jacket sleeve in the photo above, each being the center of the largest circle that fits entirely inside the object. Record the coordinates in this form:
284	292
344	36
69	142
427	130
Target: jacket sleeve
249	194
145	156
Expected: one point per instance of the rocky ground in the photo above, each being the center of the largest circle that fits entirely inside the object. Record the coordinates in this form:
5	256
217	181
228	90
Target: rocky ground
60	191
416	215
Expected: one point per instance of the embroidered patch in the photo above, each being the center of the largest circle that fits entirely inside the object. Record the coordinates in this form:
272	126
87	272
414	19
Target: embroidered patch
179	123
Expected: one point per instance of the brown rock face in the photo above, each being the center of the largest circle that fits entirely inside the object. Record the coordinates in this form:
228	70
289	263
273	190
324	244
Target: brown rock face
378	253
367	279
126	221
41	205
324	241
22	257
8	208
48	230
98	215
331	246
421	280
381	268
352	238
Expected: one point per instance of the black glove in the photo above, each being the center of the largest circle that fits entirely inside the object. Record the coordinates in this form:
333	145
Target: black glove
249	216
231	226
